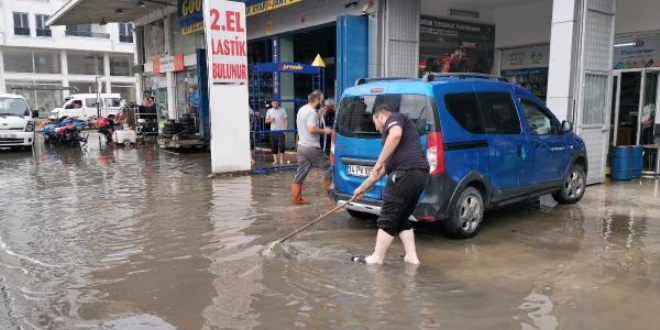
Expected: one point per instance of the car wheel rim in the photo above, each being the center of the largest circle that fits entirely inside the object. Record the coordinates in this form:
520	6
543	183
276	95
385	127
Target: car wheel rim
470	214
574	185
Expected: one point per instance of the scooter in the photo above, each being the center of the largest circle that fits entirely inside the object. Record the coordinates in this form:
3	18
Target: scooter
64	131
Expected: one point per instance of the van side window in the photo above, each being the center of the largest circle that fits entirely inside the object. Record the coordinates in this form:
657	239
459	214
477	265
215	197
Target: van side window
499	111
113	103
464	107
538	121
91	103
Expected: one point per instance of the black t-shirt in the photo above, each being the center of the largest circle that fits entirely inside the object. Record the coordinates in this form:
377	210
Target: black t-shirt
409	154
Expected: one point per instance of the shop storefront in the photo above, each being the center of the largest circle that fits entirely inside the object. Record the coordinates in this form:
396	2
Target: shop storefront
527	67
636	90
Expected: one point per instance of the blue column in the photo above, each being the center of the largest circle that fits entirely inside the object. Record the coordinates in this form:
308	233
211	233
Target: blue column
203	90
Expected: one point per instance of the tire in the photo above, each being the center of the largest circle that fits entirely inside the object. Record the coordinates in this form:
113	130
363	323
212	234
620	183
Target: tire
573	186
467	214
361	215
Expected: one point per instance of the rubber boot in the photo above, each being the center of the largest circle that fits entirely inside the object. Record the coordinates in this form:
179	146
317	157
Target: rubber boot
327	185
296	193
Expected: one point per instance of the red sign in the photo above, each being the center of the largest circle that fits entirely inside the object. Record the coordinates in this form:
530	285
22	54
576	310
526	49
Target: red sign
227	41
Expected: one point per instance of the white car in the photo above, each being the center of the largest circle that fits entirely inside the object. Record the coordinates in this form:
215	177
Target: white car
85	106
16	122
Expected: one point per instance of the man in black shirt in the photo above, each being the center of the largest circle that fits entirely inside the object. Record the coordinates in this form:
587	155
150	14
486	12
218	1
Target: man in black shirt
407	168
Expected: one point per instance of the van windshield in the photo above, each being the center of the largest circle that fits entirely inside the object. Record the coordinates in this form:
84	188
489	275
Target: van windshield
354	116
13	107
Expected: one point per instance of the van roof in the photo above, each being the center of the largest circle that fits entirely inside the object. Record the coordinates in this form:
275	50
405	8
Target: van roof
11	96
421	87
94	95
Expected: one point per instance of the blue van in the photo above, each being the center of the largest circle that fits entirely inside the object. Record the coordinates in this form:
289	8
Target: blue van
488	143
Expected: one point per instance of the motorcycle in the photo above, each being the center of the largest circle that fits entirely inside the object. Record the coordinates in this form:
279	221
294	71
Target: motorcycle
64	131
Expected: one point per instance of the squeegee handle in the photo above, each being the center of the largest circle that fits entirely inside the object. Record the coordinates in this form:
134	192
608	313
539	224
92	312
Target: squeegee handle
339	207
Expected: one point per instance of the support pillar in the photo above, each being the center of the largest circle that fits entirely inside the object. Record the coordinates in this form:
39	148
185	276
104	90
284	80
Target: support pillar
564	50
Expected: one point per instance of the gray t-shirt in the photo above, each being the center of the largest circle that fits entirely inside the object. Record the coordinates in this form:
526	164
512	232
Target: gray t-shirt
278	116
307	116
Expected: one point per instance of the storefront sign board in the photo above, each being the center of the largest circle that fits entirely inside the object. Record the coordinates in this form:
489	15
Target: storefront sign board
637	52
455	46
268	5
226	39
526	57
191	17
168	64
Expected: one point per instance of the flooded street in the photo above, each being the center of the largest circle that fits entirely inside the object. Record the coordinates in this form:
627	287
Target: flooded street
136	239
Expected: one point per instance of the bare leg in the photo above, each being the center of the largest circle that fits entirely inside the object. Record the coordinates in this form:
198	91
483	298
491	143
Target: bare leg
281	158
383	242
408	239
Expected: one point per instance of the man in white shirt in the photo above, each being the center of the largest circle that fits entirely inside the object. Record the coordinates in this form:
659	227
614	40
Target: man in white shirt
276	117
309	147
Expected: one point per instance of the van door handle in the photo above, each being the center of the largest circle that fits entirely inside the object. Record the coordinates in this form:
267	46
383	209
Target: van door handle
521	151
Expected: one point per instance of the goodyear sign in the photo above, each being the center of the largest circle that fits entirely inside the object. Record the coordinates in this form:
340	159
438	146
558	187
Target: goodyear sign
191	18
268	5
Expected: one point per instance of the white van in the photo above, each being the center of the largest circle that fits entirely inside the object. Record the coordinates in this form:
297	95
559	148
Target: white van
16	122
83	106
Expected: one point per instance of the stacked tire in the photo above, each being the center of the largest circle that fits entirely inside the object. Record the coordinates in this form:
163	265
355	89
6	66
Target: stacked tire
170	129
187	125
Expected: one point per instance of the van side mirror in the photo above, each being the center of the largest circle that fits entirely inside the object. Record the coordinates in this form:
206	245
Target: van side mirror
35	113
566	126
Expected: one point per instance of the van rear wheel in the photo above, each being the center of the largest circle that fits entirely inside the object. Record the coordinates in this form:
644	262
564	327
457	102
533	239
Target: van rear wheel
466	216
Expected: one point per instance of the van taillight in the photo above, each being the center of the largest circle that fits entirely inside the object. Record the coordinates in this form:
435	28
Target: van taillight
332	149
435	153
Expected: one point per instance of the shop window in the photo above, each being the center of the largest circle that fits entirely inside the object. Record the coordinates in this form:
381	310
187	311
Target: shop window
42	29
594	102
86	64
127	92
464	107
82	87
538	121
18	60
45	62
21	24
499	113
121	65
126	32
40	95
84	30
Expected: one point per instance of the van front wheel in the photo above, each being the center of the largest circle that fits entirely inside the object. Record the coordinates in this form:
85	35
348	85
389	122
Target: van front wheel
466	216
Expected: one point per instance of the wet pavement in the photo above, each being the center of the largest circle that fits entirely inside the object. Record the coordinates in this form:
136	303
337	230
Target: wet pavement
140	239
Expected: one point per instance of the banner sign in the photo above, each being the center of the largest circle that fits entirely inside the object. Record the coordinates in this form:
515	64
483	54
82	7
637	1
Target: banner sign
226	40
168	64
526	57
636	52
268	5
455	46
191	16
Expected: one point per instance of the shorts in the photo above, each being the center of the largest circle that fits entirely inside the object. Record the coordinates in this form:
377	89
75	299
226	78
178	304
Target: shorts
277	143
401	196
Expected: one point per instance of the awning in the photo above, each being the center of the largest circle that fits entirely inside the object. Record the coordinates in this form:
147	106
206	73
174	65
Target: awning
106	11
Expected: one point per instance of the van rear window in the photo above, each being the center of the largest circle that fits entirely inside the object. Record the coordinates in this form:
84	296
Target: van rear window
354	116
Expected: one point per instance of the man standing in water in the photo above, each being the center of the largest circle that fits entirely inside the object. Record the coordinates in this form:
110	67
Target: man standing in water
403	160
309	147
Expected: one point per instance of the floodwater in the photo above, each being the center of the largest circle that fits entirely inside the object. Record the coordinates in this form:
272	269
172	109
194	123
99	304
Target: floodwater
137	239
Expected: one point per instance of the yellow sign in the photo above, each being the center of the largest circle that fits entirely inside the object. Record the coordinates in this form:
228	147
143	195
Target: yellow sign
196	27
268	5
318	61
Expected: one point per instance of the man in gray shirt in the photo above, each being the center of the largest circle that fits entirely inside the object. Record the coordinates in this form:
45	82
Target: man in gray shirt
309	147
276	117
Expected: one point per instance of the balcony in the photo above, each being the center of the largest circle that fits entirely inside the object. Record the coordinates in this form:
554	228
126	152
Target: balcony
22	31
126	38
87	34
44	33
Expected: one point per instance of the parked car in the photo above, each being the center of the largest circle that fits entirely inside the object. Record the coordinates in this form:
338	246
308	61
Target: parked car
84	106
488	143
16	122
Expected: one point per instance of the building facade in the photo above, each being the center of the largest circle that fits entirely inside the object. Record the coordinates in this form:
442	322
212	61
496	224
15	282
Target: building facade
45	64
595	63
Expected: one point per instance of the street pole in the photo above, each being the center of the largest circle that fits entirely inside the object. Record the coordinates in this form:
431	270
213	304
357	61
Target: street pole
98	98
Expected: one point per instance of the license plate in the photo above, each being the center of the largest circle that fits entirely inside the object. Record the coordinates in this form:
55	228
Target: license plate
358	170
8	136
